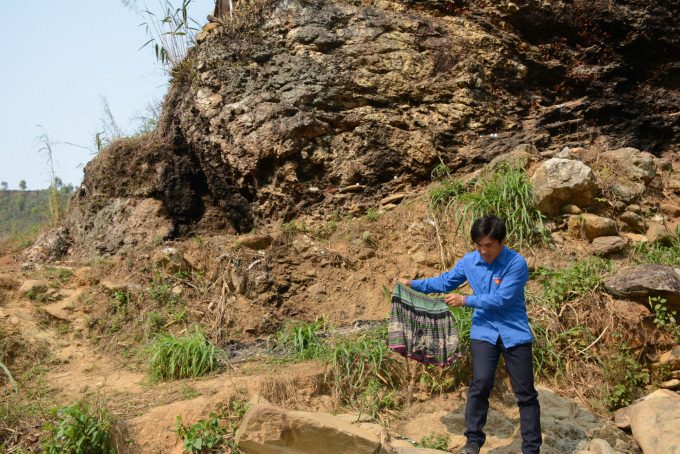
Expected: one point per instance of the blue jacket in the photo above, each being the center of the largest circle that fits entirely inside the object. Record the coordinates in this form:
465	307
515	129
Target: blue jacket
498	295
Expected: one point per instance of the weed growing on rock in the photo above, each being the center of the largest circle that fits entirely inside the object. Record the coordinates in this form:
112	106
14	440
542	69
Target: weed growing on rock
664	319
181	357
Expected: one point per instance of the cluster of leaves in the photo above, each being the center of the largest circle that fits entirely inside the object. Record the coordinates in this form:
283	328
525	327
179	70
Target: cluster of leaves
298	340
187	356
214	434
506	192
79	429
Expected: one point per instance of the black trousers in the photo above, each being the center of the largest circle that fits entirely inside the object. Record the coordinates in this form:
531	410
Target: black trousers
518	361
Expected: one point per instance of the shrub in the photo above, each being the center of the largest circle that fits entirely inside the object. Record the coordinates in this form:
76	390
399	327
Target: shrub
181	357
435	441
573	282
79	429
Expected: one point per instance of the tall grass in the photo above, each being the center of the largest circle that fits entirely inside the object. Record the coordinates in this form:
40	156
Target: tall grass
181	357
299	340
172	32
55	210
507	192
660	253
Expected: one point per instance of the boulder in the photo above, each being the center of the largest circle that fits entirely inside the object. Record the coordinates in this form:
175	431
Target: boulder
606	245
640	282
561	181
591	226
170	260
637	165
255	241
270	430
634	222
50	246
655	422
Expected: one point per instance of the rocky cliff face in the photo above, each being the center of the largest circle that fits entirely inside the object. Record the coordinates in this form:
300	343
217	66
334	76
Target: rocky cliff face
328	95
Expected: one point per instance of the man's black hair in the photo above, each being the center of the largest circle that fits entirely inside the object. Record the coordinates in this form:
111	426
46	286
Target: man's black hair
489	225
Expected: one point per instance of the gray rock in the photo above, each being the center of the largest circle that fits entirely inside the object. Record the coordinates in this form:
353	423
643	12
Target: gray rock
641	282
522	155
634	222
561	181
606	245
599	446
50	246
627	193
636	164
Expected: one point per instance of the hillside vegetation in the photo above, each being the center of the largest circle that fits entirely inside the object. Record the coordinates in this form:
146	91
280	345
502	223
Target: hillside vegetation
22	211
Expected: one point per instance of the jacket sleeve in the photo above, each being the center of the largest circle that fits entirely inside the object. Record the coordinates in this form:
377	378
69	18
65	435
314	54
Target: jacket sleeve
445	282
510	290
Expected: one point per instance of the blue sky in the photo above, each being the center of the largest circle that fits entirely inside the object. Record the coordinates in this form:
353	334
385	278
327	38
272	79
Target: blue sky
59	59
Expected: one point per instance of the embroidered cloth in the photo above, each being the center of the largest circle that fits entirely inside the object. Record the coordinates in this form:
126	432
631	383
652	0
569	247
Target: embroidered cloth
421	328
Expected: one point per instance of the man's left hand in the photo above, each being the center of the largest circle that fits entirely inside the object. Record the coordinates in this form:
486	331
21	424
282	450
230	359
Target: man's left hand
455	300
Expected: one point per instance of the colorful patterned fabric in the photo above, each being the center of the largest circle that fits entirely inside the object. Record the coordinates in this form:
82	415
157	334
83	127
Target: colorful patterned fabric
421	328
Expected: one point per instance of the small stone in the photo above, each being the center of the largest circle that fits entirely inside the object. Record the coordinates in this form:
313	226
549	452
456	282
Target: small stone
635	208
633	221
393	199
606	245
317	289
670	384
33	286
24	315
599	446
255	241
622	418
389	207
570	208
591	226
671	358
14	321
366	254
170	260
670	209
663	164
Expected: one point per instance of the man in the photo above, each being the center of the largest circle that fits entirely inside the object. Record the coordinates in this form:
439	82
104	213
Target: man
500	325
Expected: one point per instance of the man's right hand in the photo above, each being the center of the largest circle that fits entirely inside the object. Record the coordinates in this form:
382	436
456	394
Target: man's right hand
406	282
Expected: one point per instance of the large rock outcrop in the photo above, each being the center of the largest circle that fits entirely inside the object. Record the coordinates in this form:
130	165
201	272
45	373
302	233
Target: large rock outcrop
268	122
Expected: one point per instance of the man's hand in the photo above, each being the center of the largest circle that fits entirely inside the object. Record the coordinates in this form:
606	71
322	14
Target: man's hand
455	300
406	282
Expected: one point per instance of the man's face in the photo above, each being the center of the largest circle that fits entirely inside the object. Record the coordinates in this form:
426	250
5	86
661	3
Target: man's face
490	249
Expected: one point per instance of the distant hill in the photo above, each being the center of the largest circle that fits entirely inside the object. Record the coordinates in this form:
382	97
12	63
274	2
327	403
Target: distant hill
23	210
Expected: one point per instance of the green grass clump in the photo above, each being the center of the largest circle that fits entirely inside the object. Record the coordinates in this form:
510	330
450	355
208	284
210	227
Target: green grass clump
79	429
577	280
299	340
658	253
181	357
435	441
506	193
